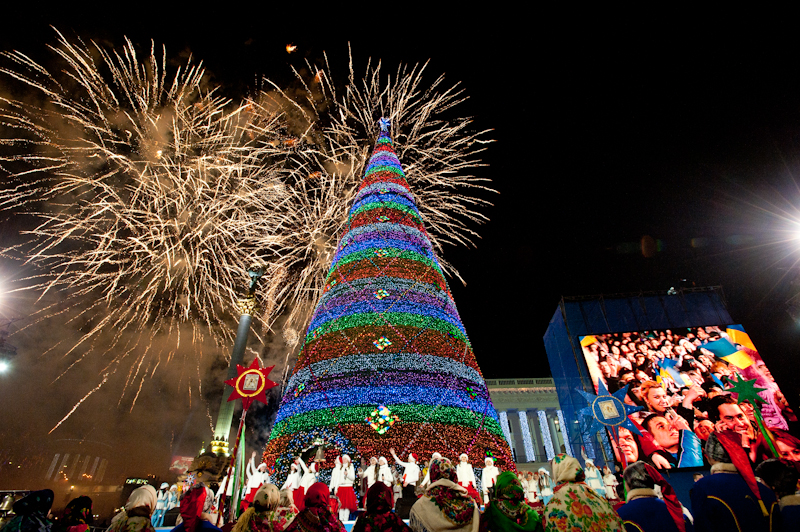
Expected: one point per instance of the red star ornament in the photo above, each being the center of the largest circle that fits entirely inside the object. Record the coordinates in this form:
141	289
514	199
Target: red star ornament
251	384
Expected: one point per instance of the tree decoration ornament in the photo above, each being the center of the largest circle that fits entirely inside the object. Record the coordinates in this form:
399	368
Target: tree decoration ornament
386	333
381	419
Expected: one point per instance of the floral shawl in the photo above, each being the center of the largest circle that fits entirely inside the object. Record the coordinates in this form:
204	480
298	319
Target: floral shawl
446	506
574	505
31	513
507	512
379	516
316	516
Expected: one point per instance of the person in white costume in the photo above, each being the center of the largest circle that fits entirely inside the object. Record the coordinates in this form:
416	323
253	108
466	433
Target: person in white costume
256	475
385	472
335	474
411	471
594	479
344	489
545	486
309	474
488	478
532	492
292	483
427	480
172	498
161	504
611	483
371	472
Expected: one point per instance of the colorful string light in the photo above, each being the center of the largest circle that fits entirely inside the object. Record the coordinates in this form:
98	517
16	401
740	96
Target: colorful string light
386	361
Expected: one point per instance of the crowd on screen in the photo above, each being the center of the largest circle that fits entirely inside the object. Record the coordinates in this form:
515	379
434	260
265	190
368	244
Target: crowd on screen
683	388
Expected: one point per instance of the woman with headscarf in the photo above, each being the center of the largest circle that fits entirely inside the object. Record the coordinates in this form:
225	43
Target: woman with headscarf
507	511
135	517
264	514
379	516
196	508
574	504
446	506
77	515
316	516
31	513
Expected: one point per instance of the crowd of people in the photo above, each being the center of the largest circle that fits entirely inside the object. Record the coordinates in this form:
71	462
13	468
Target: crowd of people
682	381
442	498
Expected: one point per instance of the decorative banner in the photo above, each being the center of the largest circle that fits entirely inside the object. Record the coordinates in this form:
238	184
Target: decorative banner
608	410
181	464
251	384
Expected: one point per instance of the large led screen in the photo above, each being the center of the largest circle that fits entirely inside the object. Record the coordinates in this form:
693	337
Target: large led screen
680	378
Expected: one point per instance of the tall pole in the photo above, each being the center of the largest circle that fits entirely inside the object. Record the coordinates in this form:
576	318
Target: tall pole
247	306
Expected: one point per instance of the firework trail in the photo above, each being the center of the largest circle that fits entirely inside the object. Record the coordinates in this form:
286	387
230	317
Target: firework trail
153	195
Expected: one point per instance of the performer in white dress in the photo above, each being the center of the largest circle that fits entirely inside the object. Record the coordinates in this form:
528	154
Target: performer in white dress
532	490
385	472
292	484
371	472
335	474
488	478
255	477
593	477
545	486
411	469
344	489
611	483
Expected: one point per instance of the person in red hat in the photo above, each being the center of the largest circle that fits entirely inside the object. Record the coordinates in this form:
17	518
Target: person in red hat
731	498
411	472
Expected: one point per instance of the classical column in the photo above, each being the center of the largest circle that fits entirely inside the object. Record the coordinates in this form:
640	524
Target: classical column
503	415
538	441
554	432
548	442
565	432
525	432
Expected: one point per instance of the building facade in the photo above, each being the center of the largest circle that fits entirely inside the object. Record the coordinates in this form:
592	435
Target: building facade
531	419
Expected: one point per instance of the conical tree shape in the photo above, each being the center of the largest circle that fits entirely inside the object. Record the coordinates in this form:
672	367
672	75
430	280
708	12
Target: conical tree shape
386	333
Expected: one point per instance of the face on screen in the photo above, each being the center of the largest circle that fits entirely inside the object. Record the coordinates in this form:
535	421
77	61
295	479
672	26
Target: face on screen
680	379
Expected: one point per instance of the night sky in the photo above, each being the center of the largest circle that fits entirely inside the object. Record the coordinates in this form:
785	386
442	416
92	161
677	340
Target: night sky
626	159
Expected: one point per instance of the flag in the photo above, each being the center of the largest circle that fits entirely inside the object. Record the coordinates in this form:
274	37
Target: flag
738	336
725	350
587	340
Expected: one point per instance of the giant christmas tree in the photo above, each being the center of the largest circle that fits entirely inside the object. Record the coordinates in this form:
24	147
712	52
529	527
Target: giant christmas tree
386	360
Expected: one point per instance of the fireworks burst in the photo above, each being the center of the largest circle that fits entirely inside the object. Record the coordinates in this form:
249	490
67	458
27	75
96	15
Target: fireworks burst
153	195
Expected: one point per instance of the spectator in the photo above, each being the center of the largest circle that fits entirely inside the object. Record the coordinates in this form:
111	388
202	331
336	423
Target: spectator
77	515
379	516
507	512
788	445
135	517
683	445
446	506
782	478
316	516
731	498
574	505
643	511
264	514
196	504
31	513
